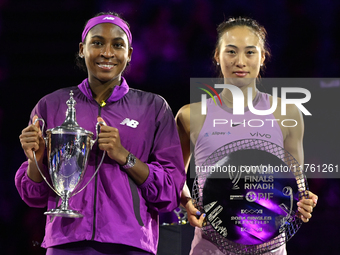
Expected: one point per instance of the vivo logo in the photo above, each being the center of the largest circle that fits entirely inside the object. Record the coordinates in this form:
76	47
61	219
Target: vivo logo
260	135
238	100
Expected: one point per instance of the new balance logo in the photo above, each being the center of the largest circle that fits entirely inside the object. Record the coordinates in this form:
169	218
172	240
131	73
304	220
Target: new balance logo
130	123
111	18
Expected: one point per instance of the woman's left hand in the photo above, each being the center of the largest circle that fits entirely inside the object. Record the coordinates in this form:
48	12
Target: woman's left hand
306	206
109	141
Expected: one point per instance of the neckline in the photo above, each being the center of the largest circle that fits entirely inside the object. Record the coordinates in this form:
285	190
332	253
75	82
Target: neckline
117	93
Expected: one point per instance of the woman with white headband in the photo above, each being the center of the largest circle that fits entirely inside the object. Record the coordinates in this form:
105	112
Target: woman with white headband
142	173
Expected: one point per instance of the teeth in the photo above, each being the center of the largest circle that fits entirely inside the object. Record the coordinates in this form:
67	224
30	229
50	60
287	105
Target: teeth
105	66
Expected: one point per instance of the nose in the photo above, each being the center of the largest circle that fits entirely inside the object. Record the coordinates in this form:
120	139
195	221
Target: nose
107	52
240	60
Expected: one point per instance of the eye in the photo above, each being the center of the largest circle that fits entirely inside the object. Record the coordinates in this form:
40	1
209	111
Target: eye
97	43
250	52
231	52
118	45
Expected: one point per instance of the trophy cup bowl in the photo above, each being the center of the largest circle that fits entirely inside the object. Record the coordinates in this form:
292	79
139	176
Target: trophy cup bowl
68	148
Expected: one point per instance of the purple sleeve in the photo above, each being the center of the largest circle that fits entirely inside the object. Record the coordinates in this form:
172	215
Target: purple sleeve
33	193
164	184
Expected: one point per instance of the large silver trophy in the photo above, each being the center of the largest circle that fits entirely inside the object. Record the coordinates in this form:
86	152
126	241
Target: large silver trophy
68	147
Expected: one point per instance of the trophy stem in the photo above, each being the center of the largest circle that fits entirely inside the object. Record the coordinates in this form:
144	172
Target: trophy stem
63	210
64	201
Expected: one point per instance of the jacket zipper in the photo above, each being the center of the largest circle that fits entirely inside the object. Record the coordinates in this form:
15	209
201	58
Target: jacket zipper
95	186
133	188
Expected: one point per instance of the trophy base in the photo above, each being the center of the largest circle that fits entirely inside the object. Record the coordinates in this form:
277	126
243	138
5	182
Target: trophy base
64	213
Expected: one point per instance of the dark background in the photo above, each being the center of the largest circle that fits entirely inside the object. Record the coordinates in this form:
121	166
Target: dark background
173	41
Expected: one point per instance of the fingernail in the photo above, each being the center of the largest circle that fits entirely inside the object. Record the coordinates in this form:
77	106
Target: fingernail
298	203
198	213
315	201
203	215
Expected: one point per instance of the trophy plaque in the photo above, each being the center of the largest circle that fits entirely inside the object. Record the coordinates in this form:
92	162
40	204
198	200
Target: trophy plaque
68	148
249	191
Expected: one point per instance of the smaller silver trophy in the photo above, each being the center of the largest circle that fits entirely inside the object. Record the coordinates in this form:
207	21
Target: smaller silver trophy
68	147
249	191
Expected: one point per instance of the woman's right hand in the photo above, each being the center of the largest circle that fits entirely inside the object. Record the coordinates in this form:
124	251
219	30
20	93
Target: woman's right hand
193	214
31	140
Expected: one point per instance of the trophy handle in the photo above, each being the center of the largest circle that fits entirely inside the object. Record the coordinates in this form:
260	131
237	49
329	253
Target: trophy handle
43	126
101	161
97	131
35	159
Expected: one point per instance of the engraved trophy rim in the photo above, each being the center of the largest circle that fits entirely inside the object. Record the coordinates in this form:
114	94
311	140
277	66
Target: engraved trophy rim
62	130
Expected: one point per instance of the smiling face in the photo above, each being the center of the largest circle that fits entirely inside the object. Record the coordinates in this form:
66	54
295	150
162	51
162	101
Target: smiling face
106	51
240	55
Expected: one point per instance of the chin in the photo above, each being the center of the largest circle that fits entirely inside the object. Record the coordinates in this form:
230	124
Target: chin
240	82
105	79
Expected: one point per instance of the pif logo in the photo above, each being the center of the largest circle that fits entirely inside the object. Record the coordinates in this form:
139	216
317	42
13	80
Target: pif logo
238	100
251	196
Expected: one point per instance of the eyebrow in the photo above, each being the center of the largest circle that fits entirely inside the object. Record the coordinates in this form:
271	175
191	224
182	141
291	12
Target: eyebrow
101	37
247	47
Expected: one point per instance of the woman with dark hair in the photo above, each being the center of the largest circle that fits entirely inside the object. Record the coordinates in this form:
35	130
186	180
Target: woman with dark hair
240	53
142	173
